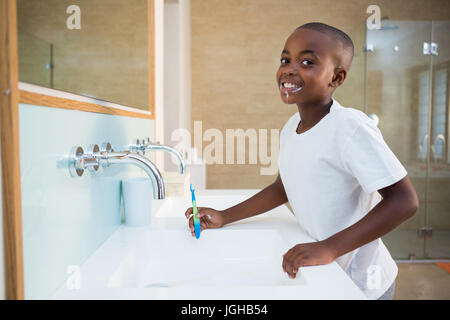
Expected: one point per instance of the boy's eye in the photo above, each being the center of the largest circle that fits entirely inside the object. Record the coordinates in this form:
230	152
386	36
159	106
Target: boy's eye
304	62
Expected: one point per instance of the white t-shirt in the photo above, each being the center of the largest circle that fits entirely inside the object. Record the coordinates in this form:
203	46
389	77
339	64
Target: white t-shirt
331	174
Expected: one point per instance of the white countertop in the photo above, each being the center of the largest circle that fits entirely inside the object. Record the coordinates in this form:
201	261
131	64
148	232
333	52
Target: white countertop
242	260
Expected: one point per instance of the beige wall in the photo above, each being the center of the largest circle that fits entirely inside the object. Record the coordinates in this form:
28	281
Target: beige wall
106	59
236	46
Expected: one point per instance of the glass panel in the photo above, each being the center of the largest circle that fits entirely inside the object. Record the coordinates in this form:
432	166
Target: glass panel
438	205
397	91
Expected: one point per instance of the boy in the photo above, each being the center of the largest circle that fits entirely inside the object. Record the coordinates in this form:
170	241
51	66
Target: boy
333	166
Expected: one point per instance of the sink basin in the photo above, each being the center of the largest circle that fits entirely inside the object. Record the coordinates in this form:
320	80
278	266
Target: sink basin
219	258
242	260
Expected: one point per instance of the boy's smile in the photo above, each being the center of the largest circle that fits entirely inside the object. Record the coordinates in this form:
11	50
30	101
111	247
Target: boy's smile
307	67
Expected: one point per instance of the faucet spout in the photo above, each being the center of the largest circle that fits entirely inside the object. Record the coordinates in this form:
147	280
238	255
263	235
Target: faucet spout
146	144
126	157
181	166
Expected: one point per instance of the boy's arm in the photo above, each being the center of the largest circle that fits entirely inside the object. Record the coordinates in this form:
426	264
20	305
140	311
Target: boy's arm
270	197
399	203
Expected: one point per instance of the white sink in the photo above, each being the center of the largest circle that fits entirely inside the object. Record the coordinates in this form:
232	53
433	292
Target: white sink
242	260
218	258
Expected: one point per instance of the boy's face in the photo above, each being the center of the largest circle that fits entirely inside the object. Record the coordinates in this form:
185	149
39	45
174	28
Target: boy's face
307	61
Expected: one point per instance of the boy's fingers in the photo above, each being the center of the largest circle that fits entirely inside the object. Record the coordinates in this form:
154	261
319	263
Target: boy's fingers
188	212
289	266
284	263
189	215
290	259
295	265
295	268
200	212
290	272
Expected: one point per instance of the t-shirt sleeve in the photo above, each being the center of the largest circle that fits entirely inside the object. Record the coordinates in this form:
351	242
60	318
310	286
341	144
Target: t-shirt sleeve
367	157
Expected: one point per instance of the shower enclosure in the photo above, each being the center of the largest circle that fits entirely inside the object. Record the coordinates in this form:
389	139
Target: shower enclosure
407	87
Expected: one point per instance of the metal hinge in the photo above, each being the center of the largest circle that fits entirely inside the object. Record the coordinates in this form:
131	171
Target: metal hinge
430	49
425	232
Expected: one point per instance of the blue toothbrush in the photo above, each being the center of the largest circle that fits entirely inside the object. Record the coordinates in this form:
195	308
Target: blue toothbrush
194	209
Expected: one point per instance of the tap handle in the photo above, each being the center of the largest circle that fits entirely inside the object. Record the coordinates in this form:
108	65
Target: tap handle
76	161
90	161
107	147
147	142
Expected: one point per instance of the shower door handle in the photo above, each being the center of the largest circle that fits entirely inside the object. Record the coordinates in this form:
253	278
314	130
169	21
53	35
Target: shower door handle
434	49
426	49
430	49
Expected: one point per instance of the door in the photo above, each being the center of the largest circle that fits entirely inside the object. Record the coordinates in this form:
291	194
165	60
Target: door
398	93
437	207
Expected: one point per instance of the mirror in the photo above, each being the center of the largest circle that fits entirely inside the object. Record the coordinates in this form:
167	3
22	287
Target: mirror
98	49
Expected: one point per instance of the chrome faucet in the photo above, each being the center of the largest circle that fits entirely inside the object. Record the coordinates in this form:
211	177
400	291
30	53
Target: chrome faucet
146	144
79	161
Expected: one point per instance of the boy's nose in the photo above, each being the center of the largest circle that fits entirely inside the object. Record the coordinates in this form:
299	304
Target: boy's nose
292	72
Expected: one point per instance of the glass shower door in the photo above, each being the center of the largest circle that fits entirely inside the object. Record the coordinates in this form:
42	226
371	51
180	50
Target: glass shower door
437	207
397	92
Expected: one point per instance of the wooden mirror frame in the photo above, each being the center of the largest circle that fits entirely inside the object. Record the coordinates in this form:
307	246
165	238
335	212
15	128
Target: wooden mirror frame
9	118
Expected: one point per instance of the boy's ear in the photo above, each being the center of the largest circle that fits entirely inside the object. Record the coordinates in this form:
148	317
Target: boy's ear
338	78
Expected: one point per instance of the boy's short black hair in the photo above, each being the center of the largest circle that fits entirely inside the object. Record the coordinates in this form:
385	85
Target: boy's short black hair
335	33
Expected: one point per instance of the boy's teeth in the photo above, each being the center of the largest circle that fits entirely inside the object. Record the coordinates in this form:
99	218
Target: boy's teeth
290	85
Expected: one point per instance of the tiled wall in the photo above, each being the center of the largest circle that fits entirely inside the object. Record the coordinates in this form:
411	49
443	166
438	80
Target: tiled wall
65	219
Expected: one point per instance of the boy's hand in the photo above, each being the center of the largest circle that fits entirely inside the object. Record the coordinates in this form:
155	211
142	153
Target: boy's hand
306	254
209	218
